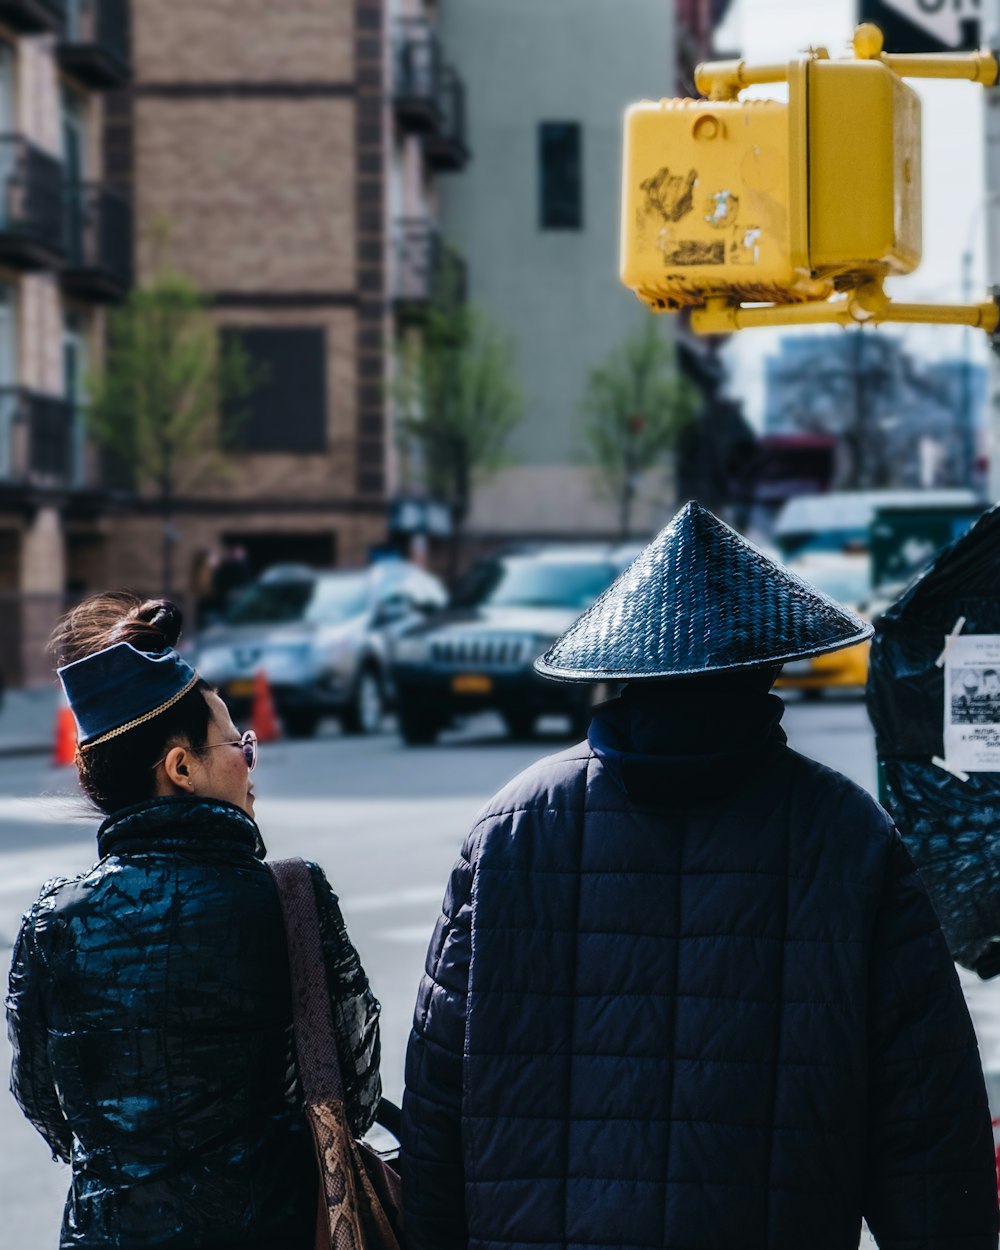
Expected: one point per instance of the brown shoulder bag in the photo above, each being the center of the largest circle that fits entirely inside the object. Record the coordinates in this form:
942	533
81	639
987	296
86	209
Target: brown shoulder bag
359	1195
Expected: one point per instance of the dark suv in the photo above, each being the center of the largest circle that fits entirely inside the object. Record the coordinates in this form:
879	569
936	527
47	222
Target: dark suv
478	653
321	638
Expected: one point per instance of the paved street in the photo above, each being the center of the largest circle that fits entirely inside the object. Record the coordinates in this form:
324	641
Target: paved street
386	823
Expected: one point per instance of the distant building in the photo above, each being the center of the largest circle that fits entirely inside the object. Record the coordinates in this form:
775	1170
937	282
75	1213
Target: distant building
536	215
65	253
695	24
897	421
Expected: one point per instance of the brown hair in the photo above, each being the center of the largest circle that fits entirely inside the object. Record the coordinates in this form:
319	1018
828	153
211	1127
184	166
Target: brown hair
119	772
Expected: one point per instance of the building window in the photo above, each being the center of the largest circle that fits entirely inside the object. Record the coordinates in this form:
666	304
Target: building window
560	168
286	408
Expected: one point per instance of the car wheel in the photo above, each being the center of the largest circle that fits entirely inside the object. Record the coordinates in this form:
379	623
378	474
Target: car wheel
300	724
812	694
364	713
416	728
520	724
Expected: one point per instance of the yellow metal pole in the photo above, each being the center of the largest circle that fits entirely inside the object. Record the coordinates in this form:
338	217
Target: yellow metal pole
984	316
978	66
724	80
718	317
970	67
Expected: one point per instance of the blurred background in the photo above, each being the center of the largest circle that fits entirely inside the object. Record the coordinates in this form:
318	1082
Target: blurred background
310	319
326	282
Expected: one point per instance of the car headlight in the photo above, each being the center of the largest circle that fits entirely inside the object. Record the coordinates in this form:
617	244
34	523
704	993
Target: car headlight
411	650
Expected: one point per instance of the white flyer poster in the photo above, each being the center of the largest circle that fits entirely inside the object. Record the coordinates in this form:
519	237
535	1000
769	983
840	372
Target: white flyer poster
972	703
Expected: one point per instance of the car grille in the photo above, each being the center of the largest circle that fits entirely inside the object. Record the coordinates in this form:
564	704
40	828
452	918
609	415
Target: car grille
482	651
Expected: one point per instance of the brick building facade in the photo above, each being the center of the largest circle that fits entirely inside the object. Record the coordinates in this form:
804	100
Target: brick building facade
256	134
291	152
288	154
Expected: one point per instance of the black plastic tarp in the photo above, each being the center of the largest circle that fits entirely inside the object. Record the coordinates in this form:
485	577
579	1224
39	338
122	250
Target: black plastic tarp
951	826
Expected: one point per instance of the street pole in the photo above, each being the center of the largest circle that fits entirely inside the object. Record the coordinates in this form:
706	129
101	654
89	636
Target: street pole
991	128
966	439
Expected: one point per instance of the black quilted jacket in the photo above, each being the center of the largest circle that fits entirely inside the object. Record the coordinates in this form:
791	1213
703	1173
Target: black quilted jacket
150	1014
691	1002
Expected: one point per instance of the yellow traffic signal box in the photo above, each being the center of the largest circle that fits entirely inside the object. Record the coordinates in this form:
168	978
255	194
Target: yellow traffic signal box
768	201
863	182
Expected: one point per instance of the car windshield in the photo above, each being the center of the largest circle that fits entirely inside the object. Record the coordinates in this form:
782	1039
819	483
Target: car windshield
534	584
848	583
322	601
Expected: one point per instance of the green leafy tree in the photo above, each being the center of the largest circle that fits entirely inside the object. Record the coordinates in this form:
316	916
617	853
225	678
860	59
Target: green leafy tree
637	403
165	406
458	400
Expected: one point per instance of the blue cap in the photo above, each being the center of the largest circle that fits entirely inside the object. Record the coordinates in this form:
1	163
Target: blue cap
118	688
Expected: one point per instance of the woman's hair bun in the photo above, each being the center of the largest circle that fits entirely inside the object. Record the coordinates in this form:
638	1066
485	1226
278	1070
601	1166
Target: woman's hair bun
104	620
155	625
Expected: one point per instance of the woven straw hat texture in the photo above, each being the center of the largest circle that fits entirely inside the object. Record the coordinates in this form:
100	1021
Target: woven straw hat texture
700	599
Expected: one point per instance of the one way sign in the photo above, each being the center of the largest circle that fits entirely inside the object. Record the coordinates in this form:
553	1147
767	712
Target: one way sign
925	25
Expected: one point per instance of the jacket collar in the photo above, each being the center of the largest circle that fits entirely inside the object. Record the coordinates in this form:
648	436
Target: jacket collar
162	823
678	743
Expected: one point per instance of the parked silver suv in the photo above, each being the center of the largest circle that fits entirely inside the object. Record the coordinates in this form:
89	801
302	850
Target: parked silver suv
478	654
321	638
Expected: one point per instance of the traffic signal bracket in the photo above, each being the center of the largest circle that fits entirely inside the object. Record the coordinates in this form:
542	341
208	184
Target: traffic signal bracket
766	213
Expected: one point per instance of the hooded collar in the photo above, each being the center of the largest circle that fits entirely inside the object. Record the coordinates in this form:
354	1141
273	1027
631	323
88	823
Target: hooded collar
672	743
180	822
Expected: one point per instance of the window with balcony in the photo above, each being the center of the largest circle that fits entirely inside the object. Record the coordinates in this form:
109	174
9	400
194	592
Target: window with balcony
95	42
33	17
8	377
75	389
286	408
560	174
97	220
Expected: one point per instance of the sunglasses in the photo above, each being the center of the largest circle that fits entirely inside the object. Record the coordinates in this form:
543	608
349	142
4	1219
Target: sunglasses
247	744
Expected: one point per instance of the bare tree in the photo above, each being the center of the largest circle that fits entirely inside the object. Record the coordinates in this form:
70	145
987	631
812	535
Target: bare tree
458	399
164	406
638	403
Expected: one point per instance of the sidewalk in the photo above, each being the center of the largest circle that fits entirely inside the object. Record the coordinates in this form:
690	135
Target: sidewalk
27	721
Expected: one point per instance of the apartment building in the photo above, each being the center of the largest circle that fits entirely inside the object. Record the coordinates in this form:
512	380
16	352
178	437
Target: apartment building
254	138
290	153
428	147
65	254
536	214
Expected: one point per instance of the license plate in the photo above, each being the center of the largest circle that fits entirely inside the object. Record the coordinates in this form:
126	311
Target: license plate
471	683
241	689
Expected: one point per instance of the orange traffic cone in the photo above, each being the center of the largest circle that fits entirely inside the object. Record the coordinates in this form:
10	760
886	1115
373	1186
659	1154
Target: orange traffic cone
64	744
263	717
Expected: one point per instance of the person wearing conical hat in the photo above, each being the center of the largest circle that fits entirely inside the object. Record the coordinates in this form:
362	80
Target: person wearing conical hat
687	991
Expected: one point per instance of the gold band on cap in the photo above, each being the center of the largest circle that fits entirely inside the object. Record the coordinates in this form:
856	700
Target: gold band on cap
141	720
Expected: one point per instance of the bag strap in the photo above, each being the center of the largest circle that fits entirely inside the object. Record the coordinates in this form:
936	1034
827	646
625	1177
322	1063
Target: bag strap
312	1014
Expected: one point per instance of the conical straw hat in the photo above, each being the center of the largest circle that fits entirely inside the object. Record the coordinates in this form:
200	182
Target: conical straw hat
700	599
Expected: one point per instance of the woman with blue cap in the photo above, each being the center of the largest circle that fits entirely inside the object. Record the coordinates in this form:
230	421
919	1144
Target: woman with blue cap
149	1004
687	991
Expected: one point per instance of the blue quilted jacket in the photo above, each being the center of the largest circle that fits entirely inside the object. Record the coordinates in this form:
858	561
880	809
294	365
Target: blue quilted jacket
691	1003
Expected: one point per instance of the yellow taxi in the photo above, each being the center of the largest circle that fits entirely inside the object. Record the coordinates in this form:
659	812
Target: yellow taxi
845	577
